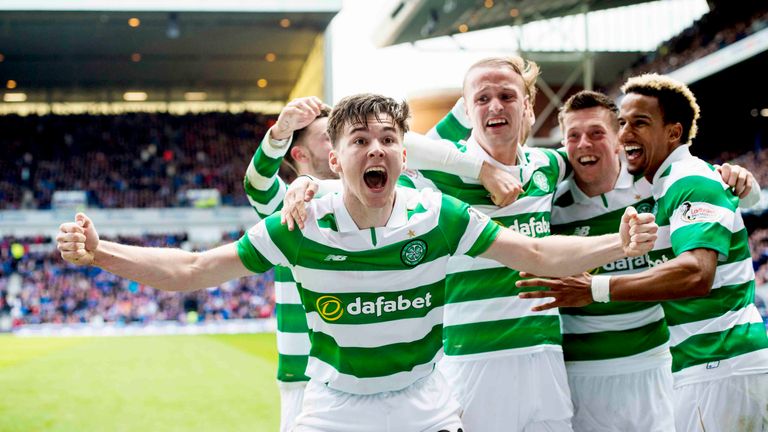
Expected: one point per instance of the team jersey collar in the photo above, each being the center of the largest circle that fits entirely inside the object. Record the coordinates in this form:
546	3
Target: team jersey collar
398	218
475	149
678	154
624	181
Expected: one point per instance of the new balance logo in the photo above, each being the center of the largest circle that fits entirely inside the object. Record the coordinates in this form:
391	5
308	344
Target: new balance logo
336	258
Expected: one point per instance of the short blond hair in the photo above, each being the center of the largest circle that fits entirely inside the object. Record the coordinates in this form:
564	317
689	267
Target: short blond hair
527	69
676	101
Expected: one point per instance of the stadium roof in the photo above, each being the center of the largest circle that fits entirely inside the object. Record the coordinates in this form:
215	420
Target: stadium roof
92	51
413	20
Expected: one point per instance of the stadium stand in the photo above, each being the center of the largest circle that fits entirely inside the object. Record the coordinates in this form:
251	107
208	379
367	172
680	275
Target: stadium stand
715	30
37	287
129	160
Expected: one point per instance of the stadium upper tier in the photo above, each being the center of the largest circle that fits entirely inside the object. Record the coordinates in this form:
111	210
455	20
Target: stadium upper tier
130	160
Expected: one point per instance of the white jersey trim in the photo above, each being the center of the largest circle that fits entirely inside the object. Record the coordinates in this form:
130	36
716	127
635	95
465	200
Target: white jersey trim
579	324
494	309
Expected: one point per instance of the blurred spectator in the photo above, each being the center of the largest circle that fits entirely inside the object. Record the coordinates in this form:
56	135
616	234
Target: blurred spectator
54	292
722	26
128	160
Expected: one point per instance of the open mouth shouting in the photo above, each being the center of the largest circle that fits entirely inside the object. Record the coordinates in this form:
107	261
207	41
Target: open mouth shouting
634	152
375	178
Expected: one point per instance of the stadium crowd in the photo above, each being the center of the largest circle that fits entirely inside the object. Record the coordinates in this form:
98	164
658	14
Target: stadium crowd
715	30
47	290
127	160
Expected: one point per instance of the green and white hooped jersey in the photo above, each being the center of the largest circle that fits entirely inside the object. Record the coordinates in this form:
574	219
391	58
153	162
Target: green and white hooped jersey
484	317
721	334
265	192
373	297
617	337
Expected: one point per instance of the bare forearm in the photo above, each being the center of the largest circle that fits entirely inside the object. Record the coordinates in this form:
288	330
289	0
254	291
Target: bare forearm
568	255
163	268
556	256
682	277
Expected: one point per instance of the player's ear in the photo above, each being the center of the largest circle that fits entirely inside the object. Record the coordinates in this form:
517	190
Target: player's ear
333	161
299	154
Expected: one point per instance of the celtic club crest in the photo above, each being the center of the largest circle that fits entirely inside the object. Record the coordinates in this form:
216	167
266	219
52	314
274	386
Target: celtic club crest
541	181
413	252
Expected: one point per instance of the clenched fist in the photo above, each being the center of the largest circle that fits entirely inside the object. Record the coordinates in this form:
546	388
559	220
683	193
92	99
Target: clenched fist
77	241
638	232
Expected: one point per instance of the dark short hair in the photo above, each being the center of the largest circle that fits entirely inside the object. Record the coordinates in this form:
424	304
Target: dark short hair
676	101
586	99
356	109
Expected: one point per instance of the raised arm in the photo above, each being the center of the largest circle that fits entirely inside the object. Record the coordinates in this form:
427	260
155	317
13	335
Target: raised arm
455	126
686	276
162	268
567	255
264	188
425	153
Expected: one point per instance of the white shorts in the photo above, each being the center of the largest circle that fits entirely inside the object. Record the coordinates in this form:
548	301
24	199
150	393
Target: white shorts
526	392
637	401
291	397
736	403
426	406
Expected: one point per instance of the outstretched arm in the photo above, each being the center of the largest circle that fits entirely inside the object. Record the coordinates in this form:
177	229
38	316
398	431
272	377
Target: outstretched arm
688	275
163	268
566	255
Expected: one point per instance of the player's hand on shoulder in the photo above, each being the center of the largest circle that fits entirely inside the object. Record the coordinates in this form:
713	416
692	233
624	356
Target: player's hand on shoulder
737	177
503	186
297	114
77	241
299	193
637	232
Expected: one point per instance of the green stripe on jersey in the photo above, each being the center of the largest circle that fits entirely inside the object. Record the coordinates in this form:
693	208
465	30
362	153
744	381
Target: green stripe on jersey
449	128
614	344
378	307
700	212
594	217
290	368
378	361
291	318
265	165
530	216
372	310
712	347
483	337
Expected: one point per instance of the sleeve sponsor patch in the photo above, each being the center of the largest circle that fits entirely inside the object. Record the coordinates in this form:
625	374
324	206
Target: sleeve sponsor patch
698	212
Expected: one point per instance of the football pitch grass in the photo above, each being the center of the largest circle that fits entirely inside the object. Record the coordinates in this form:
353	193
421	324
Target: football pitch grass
143	383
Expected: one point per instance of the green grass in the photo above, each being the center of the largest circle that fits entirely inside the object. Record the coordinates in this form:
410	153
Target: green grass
149	383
